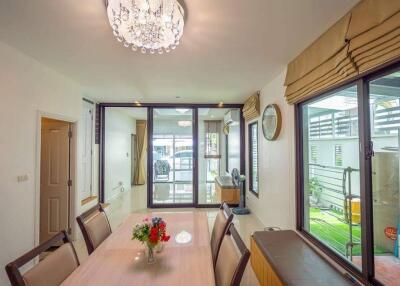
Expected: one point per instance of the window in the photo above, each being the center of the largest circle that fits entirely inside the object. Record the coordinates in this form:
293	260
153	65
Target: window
332	191
338	156
350	204
313	151
253	158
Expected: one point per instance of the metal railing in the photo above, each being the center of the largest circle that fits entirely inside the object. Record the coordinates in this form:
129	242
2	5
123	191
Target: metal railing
335	184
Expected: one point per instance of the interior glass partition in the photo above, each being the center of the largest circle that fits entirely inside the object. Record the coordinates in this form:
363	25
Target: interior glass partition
217	129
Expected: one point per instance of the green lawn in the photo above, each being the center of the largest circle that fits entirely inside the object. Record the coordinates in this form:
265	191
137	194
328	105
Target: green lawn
327	226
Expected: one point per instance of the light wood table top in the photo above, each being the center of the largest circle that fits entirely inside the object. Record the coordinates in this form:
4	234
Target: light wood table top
121	261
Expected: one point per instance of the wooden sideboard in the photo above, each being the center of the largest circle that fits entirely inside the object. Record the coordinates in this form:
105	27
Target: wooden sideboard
281	258
226	191
263	270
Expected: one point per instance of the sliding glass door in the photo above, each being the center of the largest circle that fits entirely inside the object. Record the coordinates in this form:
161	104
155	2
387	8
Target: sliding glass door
384	106
349	197
172	156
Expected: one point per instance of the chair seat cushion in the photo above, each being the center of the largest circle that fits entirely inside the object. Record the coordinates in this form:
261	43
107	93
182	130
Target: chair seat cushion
54	269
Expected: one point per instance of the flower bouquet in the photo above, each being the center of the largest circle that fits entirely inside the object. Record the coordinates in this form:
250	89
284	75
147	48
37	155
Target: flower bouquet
153	233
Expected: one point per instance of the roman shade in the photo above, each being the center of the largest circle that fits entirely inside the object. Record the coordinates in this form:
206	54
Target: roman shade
324	62
366	37
374	33
251	108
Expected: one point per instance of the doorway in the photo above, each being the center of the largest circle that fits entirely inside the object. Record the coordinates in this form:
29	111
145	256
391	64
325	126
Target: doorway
173	154
55	177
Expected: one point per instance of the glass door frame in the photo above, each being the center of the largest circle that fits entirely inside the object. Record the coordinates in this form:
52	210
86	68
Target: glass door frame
195	135
150	177
367	273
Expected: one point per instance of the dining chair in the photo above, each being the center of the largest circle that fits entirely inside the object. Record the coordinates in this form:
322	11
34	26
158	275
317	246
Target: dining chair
232	259
95	227
52	270
222	221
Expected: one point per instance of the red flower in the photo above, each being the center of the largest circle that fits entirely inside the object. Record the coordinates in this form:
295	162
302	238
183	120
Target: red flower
154	236
153	231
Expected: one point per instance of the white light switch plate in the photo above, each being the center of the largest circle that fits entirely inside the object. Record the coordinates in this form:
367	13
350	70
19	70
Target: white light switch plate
23	178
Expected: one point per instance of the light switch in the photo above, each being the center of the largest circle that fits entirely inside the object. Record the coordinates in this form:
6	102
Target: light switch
22	178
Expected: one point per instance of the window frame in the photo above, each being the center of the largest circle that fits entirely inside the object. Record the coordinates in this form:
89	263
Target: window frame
366	274
250	150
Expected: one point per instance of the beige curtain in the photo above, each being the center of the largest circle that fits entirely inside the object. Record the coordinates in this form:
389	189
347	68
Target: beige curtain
366	37
251	108
141	152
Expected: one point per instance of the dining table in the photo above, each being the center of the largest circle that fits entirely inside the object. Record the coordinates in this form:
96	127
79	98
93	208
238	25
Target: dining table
119	260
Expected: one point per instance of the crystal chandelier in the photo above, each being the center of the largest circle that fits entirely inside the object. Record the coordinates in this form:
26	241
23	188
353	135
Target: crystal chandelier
149	25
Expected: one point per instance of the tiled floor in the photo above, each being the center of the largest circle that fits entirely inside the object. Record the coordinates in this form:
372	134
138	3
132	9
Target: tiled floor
132	201
387	269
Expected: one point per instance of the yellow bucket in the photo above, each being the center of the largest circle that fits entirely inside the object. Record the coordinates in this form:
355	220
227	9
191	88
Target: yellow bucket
356	211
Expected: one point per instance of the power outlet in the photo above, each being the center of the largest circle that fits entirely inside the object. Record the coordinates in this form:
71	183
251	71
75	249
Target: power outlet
23	178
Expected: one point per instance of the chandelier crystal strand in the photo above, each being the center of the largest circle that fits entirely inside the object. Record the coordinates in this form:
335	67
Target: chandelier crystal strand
154	26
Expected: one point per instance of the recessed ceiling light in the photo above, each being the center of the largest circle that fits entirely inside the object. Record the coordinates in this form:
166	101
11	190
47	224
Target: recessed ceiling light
182	110
185	123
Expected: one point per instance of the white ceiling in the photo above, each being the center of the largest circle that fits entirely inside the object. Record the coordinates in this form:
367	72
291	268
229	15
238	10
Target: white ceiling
229	49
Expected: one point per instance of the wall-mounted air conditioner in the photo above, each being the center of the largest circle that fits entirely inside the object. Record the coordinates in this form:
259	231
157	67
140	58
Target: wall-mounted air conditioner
232	117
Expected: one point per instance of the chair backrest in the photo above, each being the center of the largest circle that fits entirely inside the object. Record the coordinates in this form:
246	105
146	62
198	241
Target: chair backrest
232	259
52	270
95	227
221	224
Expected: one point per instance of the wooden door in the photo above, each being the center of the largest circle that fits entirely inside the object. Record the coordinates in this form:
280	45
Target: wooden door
54	178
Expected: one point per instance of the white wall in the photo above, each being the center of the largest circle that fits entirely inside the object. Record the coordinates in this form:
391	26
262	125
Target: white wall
275	205
118	130
26	87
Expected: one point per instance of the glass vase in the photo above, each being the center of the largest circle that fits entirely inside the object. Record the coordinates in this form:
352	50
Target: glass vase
159	247
150	255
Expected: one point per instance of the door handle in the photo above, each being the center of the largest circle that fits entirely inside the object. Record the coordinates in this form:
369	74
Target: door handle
369	151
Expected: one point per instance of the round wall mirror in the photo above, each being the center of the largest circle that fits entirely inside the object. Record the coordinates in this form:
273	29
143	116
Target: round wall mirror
271	122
